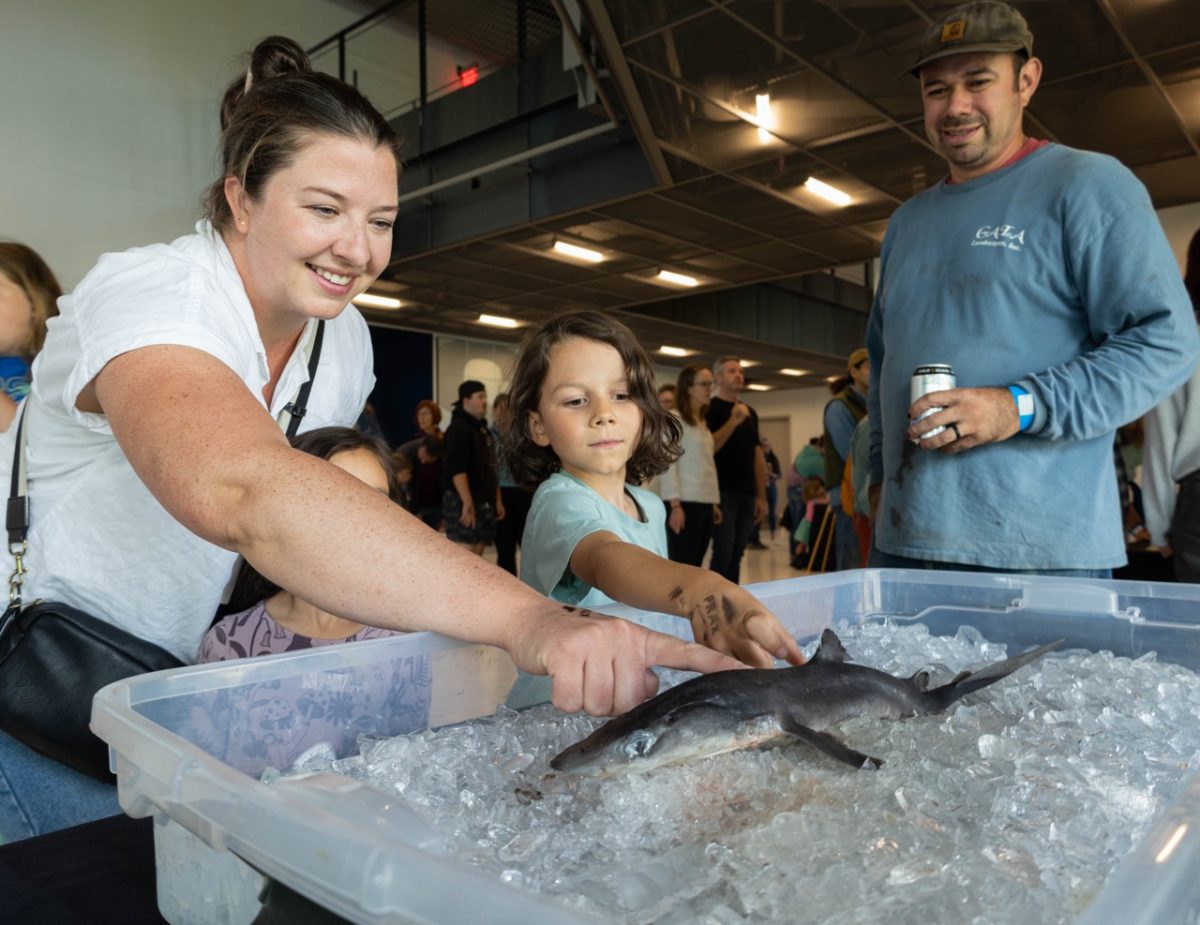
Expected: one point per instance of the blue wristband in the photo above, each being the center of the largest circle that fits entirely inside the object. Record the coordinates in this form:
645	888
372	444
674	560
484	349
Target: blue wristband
1024	405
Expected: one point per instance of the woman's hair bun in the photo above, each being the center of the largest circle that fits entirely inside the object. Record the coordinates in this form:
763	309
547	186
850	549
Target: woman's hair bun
275	56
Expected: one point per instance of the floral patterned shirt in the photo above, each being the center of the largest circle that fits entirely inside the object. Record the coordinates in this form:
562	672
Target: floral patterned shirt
255	632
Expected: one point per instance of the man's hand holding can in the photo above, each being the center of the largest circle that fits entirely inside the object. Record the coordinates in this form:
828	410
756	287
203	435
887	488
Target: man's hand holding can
959	419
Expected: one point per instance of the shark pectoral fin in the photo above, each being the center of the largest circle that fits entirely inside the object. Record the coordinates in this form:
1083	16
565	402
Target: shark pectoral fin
829	744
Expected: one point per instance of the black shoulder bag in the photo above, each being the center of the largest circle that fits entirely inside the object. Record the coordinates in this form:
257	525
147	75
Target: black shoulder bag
54	657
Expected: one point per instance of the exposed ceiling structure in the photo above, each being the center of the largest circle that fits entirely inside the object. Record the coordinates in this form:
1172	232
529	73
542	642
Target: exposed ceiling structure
730	207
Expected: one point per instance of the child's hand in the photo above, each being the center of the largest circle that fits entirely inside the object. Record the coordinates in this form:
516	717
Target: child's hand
730	619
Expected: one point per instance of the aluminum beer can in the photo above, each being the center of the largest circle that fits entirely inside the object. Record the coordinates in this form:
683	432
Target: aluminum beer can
932	377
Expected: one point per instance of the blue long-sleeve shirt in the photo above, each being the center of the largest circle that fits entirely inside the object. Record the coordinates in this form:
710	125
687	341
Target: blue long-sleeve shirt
1054	274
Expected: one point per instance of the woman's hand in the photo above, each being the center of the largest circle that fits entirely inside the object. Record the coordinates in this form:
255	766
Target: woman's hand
676	520
601	664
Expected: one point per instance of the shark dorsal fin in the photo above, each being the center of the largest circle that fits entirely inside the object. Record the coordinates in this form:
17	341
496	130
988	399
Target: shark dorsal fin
830	649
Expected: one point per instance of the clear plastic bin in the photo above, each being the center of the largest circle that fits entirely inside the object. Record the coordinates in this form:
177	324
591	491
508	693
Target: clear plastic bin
188	745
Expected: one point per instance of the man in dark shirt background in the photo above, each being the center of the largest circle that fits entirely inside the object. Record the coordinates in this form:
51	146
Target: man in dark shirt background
741	471
471	503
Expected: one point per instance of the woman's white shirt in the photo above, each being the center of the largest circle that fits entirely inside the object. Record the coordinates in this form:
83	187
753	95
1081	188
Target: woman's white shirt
98	539
693	477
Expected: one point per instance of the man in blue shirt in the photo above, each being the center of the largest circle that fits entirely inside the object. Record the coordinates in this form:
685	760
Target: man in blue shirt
1042	275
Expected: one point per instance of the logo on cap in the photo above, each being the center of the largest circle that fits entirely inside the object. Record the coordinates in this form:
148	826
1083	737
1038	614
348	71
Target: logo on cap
953	31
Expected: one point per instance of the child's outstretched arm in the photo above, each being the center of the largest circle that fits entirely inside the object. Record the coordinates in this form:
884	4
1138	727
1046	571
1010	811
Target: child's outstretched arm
724	616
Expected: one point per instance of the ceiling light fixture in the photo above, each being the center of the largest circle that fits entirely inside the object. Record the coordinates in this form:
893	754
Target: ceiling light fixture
794	372
764	117
499	321
674	351
746	364
370	300
759	387
567	249
677	279
827	192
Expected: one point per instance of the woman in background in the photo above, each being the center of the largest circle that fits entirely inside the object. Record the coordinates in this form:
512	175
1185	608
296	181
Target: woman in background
425	451
689	486
28	297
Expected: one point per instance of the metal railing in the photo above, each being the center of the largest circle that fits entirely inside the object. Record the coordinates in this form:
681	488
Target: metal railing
379	61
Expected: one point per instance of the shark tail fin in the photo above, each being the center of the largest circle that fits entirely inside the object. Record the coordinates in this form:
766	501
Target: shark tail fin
968	682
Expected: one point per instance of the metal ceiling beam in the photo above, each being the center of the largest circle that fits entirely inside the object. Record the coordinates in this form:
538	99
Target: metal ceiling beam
488	236
518	158
550	282
673	24
585	59
836	81
618	69
684	241
597	272
774	239
774	133
769	191
667	294
1148	72
1112	66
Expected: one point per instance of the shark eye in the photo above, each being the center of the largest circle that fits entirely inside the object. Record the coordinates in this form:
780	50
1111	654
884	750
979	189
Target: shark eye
640	743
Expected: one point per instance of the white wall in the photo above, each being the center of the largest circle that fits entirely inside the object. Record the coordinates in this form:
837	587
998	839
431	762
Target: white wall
108	118
804	409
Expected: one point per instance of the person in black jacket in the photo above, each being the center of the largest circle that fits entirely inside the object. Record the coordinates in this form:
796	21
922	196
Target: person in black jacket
471	503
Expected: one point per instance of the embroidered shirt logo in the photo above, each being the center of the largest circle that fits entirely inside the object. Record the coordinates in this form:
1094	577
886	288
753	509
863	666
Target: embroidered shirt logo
1005	236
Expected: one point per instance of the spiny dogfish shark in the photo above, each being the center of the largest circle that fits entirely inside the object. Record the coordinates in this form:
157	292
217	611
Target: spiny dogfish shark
731	710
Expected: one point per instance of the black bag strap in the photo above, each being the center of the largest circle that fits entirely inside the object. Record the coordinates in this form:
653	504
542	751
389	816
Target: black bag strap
16	519
295	410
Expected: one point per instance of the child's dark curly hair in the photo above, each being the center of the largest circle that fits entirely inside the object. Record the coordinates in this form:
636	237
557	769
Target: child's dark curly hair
529	464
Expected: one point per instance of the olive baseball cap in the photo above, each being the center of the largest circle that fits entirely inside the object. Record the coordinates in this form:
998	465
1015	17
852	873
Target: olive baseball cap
983	25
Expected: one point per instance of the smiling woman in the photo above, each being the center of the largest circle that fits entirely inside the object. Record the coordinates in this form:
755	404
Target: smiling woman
155	457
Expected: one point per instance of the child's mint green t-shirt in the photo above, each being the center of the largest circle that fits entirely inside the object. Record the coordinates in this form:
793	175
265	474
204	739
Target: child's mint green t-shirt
563	512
